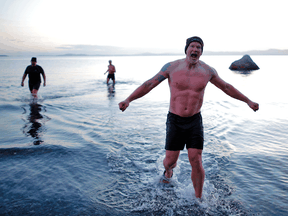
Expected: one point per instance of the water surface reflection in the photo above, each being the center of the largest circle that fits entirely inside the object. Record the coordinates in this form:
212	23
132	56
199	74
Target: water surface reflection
34	126
111	91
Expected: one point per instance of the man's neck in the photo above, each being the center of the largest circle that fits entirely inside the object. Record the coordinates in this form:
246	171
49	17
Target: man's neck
192	65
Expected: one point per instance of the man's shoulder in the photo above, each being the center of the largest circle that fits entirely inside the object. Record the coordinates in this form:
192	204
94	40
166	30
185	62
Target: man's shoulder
41	69
177	62
174	64
203	64
28	68
207	67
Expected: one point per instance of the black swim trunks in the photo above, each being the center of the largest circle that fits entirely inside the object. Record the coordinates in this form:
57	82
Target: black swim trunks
184	130
34	86
111	76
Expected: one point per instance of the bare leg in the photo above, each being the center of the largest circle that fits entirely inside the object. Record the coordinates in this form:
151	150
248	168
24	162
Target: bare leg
34	93
198	173
170	161
107	81
114	82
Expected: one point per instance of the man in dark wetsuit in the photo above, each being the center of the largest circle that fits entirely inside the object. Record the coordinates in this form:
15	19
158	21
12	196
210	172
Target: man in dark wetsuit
34	72
187	80
111	70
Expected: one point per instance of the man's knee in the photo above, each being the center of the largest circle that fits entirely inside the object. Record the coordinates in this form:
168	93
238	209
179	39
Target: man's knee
171	158
195	162
195	157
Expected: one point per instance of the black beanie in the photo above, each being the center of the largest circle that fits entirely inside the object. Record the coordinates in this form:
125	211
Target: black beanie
194	39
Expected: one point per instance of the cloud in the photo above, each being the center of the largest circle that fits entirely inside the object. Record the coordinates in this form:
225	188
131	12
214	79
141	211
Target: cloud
17	41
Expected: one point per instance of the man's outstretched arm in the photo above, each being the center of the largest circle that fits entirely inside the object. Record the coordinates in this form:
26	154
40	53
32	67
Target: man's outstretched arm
145	88
231	91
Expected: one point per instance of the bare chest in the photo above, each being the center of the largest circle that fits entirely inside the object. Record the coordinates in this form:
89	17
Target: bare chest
111	68
194	80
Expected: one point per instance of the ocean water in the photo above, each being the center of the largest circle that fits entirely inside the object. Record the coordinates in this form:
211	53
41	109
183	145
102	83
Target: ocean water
73	152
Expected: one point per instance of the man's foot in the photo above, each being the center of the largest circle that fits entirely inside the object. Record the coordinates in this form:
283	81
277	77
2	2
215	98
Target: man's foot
165	179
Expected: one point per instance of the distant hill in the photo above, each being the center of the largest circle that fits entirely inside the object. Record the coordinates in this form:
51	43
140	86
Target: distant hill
120	53
252	52
69	54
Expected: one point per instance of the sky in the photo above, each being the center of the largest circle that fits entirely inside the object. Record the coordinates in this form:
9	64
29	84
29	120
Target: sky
137	26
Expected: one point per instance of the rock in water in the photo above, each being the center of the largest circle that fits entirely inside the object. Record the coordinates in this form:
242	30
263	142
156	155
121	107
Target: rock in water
244	64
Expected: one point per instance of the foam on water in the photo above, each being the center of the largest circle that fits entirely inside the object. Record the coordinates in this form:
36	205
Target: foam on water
145	194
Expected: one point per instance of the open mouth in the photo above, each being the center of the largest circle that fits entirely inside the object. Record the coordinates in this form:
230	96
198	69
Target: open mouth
193	55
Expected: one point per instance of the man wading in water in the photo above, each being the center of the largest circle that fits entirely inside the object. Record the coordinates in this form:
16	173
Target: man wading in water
187	80
34	72
111	70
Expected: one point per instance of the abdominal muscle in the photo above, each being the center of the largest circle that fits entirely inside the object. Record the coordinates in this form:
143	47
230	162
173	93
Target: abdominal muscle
186	103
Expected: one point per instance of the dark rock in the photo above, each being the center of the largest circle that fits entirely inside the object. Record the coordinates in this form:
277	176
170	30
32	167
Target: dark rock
244	64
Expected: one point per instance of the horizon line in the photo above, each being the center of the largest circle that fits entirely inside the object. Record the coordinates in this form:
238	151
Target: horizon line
251	52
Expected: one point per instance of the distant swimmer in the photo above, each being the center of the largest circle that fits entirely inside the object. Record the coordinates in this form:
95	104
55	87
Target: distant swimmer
187	79
111	70
34	72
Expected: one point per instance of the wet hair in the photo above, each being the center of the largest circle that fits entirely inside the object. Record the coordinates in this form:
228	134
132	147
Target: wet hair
33	59
194	39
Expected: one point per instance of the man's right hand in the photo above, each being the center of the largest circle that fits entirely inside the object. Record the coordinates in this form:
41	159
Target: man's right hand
253	105
123	105
22	84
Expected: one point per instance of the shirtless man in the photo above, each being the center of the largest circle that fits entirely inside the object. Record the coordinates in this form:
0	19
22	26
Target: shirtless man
111	70
34	72
187	80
